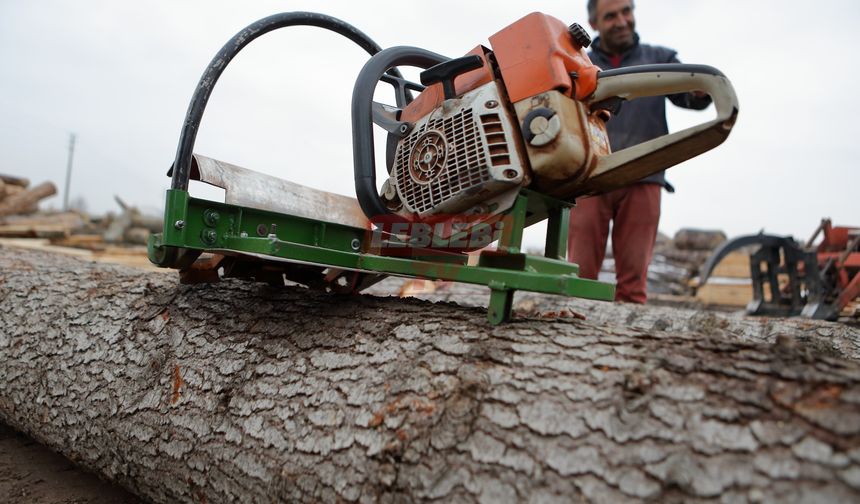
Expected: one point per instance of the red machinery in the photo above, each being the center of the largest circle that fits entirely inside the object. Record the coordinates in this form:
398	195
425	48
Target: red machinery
822	279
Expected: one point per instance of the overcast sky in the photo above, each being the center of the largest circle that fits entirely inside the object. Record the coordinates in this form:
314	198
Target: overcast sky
120	75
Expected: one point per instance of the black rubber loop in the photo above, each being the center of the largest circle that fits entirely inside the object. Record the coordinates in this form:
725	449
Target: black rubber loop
182	163
363	155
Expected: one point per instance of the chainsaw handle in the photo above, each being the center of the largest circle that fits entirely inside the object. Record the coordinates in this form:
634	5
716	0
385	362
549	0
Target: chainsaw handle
181	169
363	153
634	163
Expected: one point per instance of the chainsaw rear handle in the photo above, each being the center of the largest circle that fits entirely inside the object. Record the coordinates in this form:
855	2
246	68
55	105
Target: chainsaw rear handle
634	163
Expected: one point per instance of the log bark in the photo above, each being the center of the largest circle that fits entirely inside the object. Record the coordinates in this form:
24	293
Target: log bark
11	190
239	392
698	239
835	339
22	201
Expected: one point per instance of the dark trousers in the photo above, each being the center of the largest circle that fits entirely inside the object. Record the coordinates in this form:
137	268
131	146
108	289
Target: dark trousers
635	213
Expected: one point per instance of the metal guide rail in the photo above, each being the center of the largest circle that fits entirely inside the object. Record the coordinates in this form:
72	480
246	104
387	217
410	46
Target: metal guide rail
269	246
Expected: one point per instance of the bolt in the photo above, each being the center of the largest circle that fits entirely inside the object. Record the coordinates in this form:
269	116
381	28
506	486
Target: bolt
491	104
404	128
388	189
179	224
209	236
355	244
511	174
211	217
478	210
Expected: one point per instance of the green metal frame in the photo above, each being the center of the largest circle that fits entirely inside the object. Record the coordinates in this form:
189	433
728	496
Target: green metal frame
194	225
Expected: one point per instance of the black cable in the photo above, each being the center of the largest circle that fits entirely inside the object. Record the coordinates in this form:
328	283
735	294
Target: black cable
182	163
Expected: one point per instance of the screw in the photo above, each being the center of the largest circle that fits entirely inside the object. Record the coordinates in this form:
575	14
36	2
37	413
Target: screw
404	128
209	236
511	174
211	217
179	224
491	104
355	244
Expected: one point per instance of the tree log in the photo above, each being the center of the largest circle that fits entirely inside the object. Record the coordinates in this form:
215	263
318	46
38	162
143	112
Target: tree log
16	181
12	180
817	336
22	201
698	239
10	190
240	392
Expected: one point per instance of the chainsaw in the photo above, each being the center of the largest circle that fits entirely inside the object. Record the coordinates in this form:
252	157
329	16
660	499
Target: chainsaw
483	146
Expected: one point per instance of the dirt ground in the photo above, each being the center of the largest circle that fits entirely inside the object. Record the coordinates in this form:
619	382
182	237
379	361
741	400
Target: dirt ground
33	474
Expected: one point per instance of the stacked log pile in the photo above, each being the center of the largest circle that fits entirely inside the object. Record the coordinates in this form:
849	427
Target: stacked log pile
17	197
20	218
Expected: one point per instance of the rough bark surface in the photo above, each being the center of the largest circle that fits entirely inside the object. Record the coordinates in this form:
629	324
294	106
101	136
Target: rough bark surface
240	392
828	338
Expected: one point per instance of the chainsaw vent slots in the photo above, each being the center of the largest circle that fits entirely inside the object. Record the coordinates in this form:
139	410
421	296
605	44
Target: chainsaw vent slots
496	144
423	185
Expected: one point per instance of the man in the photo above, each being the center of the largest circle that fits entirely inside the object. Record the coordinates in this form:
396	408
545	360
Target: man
633	210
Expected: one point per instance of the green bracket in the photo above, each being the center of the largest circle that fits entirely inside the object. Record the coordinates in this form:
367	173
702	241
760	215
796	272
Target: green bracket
294	244
557	228
500	306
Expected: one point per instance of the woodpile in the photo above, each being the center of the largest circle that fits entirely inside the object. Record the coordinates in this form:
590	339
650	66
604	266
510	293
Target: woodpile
42	225
16	197
698	239
122	236
131	226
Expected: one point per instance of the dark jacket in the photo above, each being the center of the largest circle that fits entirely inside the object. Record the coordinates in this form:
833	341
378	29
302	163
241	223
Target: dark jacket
642	119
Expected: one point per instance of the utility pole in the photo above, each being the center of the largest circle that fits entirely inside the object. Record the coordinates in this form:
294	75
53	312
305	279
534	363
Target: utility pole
69	171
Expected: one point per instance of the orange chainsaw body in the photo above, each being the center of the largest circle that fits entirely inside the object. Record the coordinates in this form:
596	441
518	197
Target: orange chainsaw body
550	72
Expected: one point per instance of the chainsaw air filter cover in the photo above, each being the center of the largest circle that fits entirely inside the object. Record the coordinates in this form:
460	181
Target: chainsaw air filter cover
458	157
